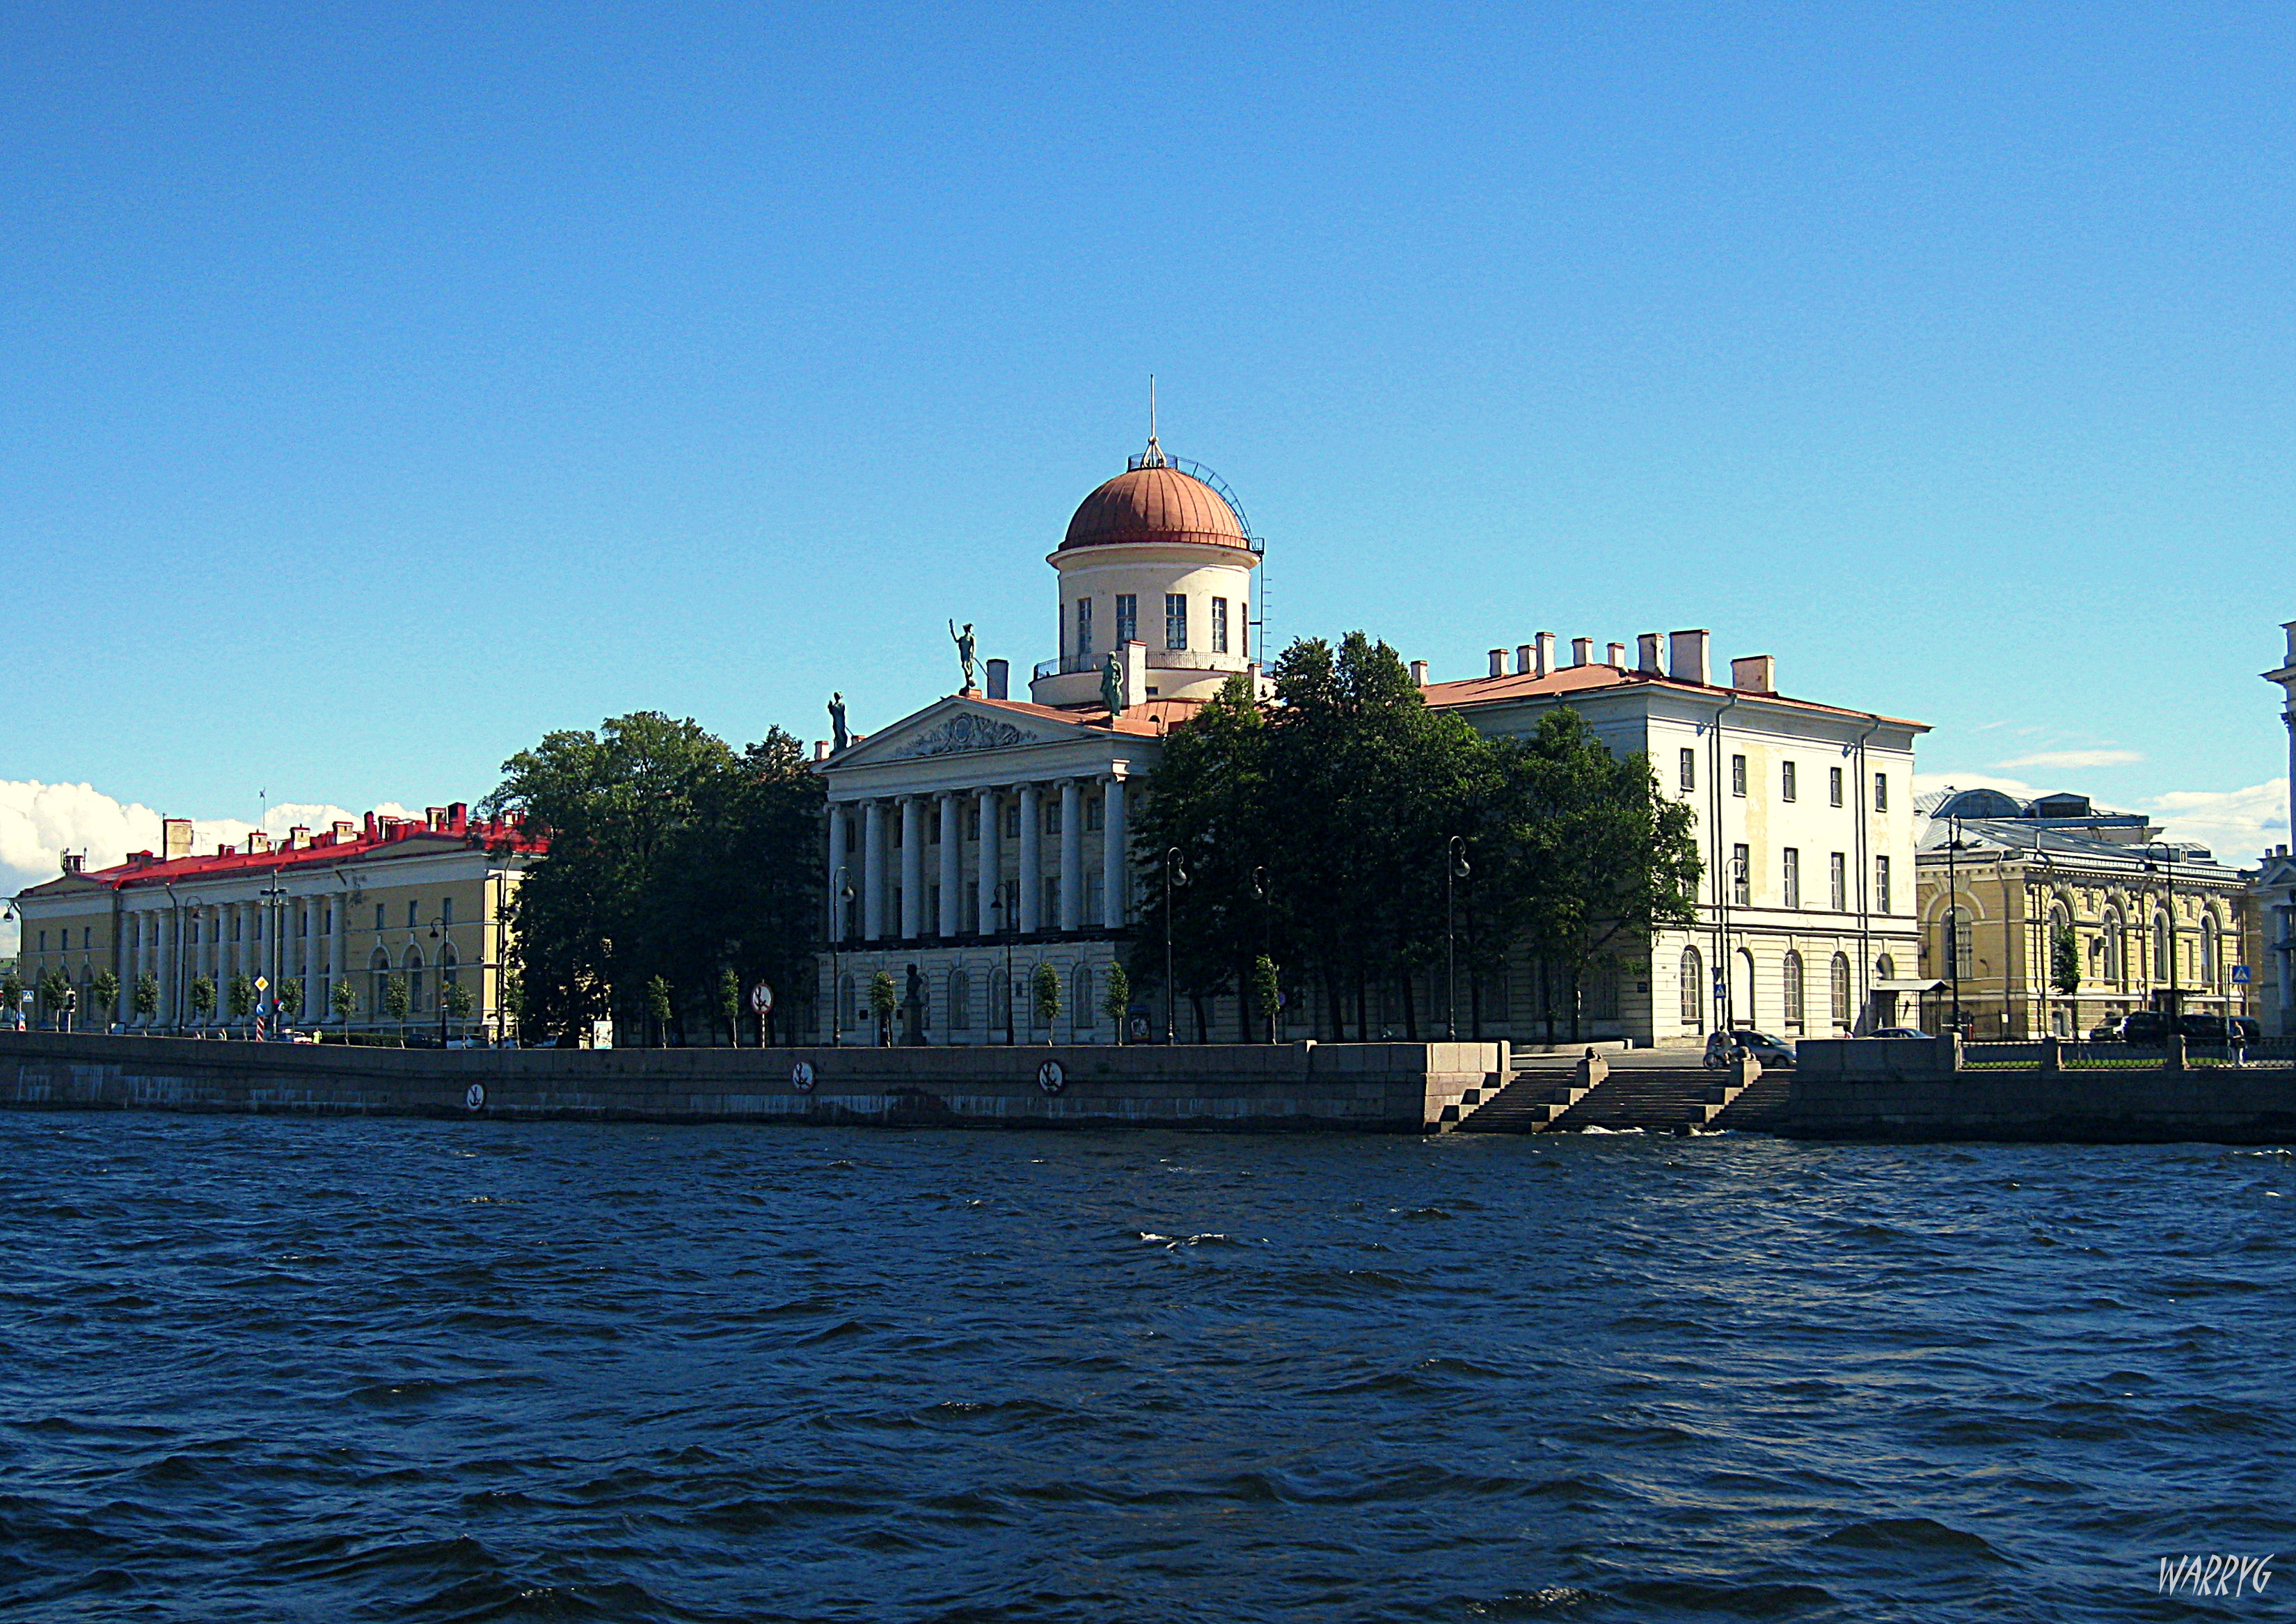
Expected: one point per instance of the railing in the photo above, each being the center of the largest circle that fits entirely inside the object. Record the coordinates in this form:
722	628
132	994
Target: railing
2076	1054
1158	660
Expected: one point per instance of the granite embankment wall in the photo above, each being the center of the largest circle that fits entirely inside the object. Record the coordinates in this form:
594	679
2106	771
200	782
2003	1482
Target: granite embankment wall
1376	1088
1910	1089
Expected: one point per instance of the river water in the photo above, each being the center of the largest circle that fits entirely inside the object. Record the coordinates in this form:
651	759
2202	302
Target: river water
259	1369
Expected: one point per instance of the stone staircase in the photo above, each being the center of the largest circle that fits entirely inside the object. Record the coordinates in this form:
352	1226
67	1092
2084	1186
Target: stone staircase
1658	1100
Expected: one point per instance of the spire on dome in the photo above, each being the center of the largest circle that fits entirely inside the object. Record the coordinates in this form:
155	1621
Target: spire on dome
1153	457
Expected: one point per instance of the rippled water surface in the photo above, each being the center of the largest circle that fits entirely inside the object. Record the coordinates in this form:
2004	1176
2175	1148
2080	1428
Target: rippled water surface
259	1369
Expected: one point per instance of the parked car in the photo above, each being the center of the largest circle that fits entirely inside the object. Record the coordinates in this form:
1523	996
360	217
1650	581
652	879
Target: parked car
1900	1032
2217	1029
2149	1027
2107	1030
1771	1052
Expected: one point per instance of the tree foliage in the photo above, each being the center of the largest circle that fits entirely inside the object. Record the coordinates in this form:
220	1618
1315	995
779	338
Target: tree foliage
242	994
1316	834
2064	959
344	999
145	998
672	857
1047	990
203	995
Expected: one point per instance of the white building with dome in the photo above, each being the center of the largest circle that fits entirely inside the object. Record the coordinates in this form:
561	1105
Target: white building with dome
984	836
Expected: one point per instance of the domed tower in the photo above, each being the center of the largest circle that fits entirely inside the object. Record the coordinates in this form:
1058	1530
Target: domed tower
1157	556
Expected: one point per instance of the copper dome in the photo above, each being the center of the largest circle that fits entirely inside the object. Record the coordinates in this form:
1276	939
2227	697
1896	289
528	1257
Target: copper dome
1155	501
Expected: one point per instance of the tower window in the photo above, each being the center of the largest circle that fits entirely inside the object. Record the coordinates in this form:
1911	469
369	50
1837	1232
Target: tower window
1689	773
1084	628
1881	791
1176	620
1737	775
1219	626
1788	785
1834	784
1128	618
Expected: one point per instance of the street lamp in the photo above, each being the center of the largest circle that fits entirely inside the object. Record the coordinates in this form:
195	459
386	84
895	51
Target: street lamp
1953	914
1259	889
841	885
1455	868
2168	872
1176	875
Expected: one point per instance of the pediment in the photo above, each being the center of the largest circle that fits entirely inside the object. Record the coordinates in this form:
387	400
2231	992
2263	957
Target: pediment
953	727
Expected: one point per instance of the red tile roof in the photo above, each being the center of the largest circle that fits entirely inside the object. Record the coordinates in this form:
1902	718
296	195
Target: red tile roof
378	835
1591	678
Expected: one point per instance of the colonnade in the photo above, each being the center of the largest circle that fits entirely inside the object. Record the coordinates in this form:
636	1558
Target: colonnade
178	942
865	878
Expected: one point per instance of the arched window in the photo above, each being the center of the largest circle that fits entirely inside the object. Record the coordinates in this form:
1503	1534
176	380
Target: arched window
1742	989
1694	989
2164	945
1082	1016
849	1006
414	968
2208	950
960	1001
2112	938
378	972
1959	962
1793	992
1885	969
448	975
1839	974
1000	1000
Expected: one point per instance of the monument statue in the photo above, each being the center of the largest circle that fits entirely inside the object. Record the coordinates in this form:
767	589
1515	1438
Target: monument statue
1111	685
912	1008
965	647
839	737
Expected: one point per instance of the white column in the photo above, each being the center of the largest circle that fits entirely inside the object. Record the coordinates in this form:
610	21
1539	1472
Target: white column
1032	881
1071	854
313	959
339	916
1115	856
952	869
838	879
912	867
873	870
170	921
991	856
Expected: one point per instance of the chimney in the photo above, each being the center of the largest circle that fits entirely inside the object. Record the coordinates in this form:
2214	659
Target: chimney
175	838
139	859
371	828
75	861
342	831
1755	674
1522	660
821	750
1646	654
1618	656
1686	657
458	816
1000	678
1498	662
1546	653
298	837
1582	651
1419	673
258	844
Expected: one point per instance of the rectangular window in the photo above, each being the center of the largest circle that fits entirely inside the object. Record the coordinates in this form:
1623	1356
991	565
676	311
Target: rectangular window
1011	820
1741	879
972	820
1882	884
44	942
1881	791
1786	783
1834	784
410	901
446	910
1837	882
1128	618
1793	877
1093	814
1084	628
1051	815
1219	626
378	916
1688	777
1737	775
1176	620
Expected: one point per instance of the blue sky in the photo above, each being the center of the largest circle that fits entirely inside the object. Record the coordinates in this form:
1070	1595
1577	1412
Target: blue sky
382	389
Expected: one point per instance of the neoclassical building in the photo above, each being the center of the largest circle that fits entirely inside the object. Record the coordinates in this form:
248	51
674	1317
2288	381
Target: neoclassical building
423	901
984	836
2273	885
2155	923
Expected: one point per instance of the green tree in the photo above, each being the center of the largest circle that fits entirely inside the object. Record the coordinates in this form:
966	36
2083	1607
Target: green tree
1045	987
883	1002
1116	999
2064	958
729	1005
55	991
143	998
655	850
241	993
287	998
1266	990
344	1000
104	988
203	996
395	1000
1596	857
659	1008
456	999
11	991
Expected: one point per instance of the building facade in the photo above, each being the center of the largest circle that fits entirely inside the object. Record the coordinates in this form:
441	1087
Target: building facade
2273	890
328	918
982	837
2152	923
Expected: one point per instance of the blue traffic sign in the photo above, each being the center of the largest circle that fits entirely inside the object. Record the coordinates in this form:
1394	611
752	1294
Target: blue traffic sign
2240	976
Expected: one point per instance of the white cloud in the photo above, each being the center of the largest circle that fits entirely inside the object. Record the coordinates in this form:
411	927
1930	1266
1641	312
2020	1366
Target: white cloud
2074	758
2235	824
40	822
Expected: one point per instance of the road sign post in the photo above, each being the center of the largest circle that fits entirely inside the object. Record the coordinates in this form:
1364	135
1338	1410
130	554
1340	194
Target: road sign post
762	1005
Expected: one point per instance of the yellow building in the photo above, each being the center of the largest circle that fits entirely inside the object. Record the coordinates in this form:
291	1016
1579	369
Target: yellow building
337	922
2154	924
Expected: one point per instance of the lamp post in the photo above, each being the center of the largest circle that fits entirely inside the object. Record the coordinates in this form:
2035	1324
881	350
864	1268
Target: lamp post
1953	914
1176	874
275	908
2048	957
842	885
1259	889
1455	868
2169	874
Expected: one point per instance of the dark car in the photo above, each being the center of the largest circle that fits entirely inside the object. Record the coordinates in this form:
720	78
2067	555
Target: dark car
2218	1029
2146	1026
1900	1032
